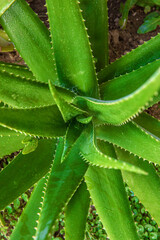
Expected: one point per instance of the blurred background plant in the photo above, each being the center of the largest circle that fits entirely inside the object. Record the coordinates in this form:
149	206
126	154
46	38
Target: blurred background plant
5	44
151	21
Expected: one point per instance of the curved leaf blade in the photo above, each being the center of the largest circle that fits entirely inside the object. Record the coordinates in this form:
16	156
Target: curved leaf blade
77	206
17	70
93	156
132	137
73	58
5	4
30	35
150	195
126	84
96	20
63	180
25	228
67	110
10	144
149	123
22	93
142	55
118	111
43	122
20	170
109	197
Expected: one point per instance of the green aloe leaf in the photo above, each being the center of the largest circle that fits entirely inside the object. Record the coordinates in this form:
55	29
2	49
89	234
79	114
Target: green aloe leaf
72	133
149	123
96	20
141	56
63	180
22	93
76	214
67	110
27	169
126	84
118	111
10	144
93	156
5	4
10	141
146	188
73	58
43	122
30	35
132	137
17	70
109	197
25	228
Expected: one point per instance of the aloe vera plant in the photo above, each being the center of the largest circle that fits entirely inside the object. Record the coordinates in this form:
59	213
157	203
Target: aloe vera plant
77	121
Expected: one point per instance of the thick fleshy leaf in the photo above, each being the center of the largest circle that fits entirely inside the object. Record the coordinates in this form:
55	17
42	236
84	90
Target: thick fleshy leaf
146	188
92	155
43	122
63	180
26	169
5	4
126	84
73	58
132	138
149	123
67	110
76	214
72	133
17	70
22	93
96	20
10	144
109	197
118	111
146	53
31	39
25	228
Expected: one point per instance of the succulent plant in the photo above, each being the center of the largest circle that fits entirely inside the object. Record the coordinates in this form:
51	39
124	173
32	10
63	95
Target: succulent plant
77	121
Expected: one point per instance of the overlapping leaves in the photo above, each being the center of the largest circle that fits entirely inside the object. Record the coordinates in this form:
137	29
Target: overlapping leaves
60	99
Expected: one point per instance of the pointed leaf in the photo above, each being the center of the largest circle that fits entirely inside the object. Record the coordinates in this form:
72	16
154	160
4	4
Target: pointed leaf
67	110
77	206
149	123
5	4
25	228
96	20
31	39
17	70
62	183
22	93
26	169
120	110
126	84
10	144
92	155
109	197
146	53
73	58
44	122
150	195
132	138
